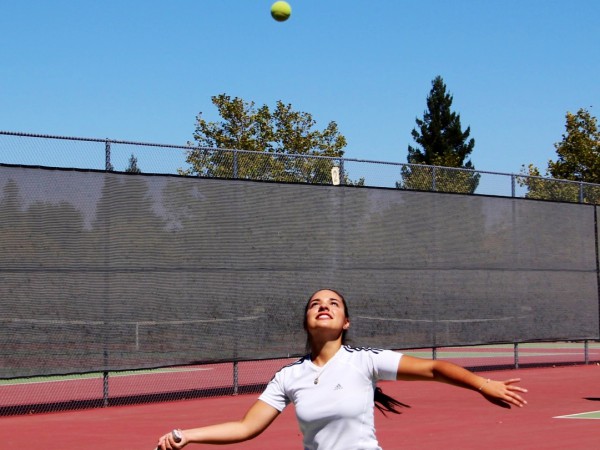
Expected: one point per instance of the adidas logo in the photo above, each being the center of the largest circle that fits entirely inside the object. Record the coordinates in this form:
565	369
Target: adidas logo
338	387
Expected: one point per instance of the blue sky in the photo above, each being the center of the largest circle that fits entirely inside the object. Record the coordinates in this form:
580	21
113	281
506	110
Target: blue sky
142	70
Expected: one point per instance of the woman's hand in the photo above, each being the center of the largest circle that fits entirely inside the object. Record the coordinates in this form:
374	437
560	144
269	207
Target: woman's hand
172	441
503	393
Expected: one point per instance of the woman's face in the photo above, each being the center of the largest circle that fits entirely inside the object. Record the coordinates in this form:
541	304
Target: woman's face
326	311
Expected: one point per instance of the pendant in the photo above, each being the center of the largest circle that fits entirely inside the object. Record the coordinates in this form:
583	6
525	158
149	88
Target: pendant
316	380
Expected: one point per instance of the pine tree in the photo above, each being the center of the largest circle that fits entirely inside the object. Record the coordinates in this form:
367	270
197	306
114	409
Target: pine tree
442	143
133	167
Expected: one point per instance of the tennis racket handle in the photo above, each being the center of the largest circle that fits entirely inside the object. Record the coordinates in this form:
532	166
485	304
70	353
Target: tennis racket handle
177	436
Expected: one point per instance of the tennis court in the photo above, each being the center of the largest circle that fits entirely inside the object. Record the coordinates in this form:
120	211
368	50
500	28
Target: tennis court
563	409
82	391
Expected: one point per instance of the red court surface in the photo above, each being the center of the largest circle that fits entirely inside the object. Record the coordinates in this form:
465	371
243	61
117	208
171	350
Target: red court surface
440	417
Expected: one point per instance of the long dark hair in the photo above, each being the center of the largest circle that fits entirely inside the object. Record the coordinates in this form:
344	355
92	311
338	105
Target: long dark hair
383	402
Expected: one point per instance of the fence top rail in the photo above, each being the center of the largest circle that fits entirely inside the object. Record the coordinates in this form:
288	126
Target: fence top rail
334	158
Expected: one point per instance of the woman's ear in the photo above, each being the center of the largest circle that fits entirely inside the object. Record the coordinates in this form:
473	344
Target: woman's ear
346	325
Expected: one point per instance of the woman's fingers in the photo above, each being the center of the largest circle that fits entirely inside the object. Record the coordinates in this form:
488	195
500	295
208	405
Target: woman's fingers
161	443
512	392
505	391
516	399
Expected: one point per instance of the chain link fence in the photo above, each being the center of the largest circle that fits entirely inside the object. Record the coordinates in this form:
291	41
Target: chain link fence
127	156
26	395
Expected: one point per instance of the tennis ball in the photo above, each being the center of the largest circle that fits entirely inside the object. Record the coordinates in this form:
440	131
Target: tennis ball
281	11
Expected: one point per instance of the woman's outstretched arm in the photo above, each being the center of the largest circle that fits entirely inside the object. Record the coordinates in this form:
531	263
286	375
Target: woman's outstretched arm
502	393
255	421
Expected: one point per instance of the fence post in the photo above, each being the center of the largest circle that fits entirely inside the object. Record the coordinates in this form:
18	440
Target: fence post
235	378
433	187
512	185
580	192
235	164
107	165
342	178
105	389
516	351
586	351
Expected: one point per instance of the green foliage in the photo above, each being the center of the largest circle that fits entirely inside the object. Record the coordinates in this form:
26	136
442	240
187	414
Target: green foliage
279	134
543	188
349	182
442	143
579	151
439	179
577	168
133	167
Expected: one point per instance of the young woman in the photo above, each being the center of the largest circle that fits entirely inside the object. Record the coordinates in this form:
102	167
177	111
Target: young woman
334	389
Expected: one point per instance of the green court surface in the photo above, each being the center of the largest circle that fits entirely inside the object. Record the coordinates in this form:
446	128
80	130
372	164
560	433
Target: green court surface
507	350
92	375
586	415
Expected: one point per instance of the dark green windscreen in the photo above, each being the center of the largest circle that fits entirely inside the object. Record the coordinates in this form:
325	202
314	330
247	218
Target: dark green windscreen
103	271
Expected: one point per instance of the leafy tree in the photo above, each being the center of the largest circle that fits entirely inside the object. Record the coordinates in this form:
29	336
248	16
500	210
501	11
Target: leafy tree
133	167
442	143
277	133
578	161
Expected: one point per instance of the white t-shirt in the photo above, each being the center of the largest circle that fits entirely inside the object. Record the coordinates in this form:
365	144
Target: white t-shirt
337	412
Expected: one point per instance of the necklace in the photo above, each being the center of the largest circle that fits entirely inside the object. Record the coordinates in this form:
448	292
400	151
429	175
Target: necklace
316	381
319	375
320	372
